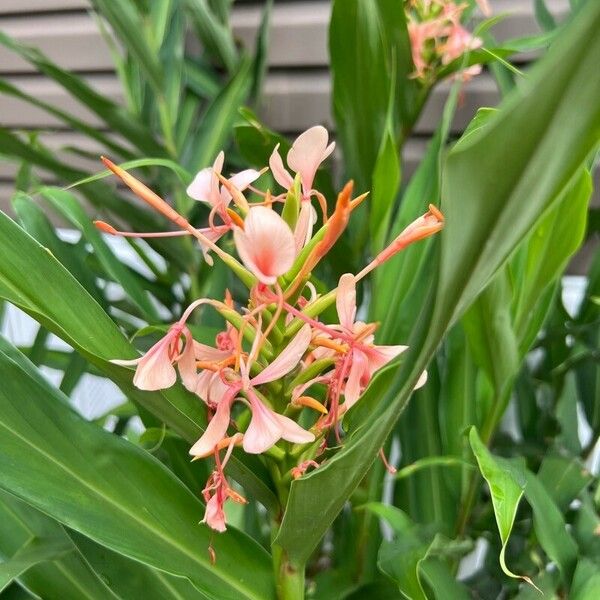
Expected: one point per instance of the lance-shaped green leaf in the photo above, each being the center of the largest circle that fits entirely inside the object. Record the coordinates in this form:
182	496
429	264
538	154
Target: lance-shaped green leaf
116	493
33	552
496	187
55	299
66	204
506	491
66	577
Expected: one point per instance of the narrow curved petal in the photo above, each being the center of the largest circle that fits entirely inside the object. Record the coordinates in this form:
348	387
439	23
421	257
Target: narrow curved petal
379	356
280	174
264	430
292	432
266	244
214	516
202	185
216	429
208	353
186	363
308	152
422	381
290	356
345	300
203	382
155	370
244	178
304	226
354	387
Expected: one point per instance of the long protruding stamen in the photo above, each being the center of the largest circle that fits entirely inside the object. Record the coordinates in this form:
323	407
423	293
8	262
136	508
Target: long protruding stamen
309	403
107	228
154	200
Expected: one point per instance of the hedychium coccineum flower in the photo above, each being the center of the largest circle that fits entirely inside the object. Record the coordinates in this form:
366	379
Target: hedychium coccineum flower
278	378
437	37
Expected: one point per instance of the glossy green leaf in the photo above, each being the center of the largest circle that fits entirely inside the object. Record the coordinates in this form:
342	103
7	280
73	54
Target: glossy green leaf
66	577
216	37
586	583
217	121
33	552
126	578
125	19
506	491
115	493
367	39
67	205
54	298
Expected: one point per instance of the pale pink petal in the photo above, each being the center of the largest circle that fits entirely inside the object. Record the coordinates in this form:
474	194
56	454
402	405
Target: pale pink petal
244	178
292	432
300	389
214	516
354	384
345	300
280	174
308	152
380	356
304	226
422	380
155	370
187	363
203	382
288	358
264	430
216	429
202	186
208	353
266	244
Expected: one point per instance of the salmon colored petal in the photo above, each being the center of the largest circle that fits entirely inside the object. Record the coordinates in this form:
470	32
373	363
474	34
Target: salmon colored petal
202	185
345	300
304	226
208	353
214	515
240	181
266	244
264	430
306	154
187	363
280	174
155	370
216	429
288	358
353	388
379	356
292	432
203	382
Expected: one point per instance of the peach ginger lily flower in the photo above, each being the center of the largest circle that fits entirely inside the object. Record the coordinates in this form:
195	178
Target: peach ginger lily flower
265	244
206	188
266	426
305	156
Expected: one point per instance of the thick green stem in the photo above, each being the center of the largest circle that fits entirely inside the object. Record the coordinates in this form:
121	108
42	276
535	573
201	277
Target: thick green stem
289	578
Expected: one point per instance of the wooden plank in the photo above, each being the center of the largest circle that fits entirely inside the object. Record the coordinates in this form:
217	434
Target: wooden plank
73	41
298	35
292	101
28	6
